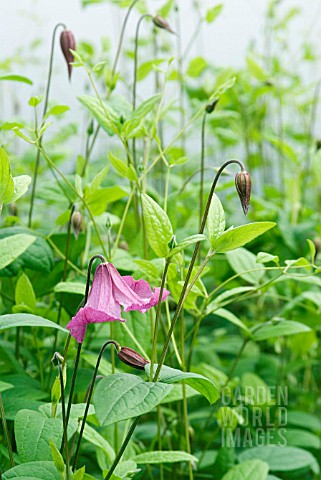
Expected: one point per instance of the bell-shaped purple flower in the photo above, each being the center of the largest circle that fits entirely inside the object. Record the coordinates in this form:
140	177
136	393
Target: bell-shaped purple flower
110	291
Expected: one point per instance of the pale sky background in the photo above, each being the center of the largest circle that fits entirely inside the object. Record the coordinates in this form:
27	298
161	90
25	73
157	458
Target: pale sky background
224	42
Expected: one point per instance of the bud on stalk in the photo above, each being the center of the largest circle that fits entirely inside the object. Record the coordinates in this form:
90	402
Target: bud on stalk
243	184
132	358
67	42
160	22
76	221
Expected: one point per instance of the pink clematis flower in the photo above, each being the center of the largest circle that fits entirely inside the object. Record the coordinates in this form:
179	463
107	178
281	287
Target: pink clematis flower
108	292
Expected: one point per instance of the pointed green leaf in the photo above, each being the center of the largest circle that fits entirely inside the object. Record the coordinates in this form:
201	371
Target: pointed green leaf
128	396
26	320
13	246
6	181
171	456
280	329
158	226
249	470
239	236
215	219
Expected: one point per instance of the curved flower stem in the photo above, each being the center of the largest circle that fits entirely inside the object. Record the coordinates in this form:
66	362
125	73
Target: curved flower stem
74	375
202	168
146	15
63	410
185	290
35	175
158	310
89	395
191	266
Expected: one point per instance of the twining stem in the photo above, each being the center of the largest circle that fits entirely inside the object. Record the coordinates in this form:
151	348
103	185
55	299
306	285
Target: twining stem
74	375
35	175
177	312
89	396
6	432
146	15
158	311
63	411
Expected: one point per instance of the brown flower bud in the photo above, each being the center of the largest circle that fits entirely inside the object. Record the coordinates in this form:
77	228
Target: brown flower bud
76	221
243	183
67	42
160	22
211	106
132	358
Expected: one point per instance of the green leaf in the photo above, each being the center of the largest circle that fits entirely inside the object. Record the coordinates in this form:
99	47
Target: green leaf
128	396
145	68
241	260
186	243
196	67
13	246
79	474
94	106
216	219
281	459
57	458
239	236
15	78
38	256
95	438
98	179
24	294
280	329
119	165
33	433
164	457
301	438
75	288
99	200
263	257
201	384
5	386
248	470
34	101
138	116
57	110
158	226
33	471
20	184
255	69
230	317
213	13
221	299
27	320
6	181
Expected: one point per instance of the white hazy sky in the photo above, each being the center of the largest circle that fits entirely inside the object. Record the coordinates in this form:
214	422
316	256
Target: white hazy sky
224	42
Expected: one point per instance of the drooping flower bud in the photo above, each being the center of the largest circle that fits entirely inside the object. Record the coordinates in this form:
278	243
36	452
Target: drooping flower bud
67	42
57	359
132	358
211	106
76	221
243	184
160	22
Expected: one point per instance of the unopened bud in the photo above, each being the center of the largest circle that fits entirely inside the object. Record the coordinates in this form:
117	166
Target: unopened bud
243	184
57	359
211	106
160	22
172	243
67	42
90	129
13	209
76	222
317	244
132	358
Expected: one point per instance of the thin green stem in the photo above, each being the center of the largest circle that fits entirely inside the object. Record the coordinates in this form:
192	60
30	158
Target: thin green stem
123	448
146	15
35	175
64	422
6	432
158	310
202	168
121	226
89	396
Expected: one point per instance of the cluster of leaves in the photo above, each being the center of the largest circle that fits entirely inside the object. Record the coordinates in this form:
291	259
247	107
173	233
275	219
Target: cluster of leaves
239	399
